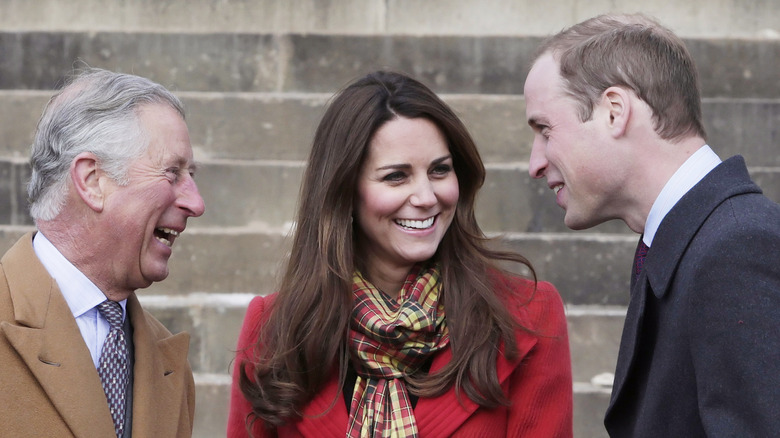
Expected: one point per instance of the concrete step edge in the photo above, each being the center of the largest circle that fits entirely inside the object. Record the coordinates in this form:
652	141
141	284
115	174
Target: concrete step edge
567	236
300	164
586	310
5	228
297	95
509	235
212	379
589	388
198	299
242	299
759	35
578	236
224	379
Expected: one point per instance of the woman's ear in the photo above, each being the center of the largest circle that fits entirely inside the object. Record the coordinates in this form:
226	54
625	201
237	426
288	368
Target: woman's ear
617	102
85	176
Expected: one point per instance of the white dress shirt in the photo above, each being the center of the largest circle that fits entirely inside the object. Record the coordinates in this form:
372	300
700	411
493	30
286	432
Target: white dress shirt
80	293
693	170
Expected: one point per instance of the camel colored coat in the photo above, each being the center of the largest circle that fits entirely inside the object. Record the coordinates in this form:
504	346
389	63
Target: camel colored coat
48	383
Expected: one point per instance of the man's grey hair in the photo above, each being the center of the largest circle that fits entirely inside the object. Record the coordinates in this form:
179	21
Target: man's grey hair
97	112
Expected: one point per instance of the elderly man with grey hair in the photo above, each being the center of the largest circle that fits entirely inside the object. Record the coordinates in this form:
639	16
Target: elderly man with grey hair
111	189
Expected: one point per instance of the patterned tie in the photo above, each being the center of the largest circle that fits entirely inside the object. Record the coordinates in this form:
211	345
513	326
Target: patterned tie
639	258
113	364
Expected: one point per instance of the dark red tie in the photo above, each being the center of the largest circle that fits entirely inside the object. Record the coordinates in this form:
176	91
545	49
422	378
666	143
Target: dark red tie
639	258
113	363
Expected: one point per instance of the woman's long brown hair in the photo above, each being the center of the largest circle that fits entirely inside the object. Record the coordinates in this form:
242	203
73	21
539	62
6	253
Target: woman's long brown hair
305	337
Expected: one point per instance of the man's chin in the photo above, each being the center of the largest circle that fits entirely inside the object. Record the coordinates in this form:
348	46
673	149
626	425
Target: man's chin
575	222
154	276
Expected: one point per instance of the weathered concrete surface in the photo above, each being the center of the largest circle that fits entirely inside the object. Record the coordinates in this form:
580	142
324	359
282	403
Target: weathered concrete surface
13	192
594	337
212	395
231	62
255	76
280	126
744	18
264	194
586	269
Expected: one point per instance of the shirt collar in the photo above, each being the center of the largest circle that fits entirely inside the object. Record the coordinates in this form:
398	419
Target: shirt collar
80	292
693	170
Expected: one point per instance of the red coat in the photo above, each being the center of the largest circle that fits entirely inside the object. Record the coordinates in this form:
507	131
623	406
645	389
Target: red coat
538	384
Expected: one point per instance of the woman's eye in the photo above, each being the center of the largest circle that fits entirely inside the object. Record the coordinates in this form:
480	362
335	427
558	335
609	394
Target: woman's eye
441	169
395	176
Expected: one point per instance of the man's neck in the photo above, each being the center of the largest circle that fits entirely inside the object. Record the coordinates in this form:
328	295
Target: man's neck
657	166
693	170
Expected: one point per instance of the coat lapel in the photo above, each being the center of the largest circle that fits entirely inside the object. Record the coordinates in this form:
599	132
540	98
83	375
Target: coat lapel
631	332
674	234
161	372
49	341
430	412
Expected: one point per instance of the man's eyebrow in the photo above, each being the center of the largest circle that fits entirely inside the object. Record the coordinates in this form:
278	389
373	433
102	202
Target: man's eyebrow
194	166
185	163
537	122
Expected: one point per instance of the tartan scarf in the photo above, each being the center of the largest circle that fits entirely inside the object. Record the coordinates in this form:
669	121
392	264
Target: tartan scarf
390	339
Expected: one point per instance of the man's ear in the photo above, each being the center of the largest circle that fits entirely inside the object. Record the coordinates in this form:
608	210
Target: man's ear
85	175
617	102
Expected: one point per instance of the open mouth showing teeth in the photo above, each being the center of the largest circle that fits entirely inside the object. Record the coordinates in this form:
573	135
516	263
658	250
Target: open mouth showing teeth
414	224
558	188
165	235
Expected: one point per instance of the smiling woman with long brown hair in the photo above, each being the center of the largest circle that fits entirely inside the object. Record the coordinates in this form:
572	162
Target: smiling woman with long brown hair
393	317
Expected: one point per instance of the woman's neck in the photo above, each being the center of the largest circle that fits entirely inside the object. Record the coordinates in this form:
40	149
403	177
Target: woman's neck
389	280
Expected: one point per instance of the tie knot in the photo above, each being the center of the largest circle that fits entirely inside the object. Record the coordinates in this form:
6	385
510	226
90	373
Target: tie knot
112	311
639	257
641	251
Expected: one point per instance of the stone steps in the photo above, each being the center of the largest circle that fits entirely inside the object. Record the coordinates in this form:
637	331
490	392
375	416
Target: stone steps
251	163
701	18
235	62
589	268
255	77
279	126
250	179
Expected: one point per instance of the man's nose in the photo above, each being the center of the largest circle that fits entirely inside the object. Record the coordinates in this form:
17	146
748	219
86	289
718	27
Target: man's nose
190	199
537	163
